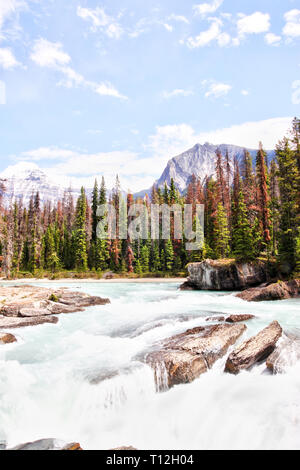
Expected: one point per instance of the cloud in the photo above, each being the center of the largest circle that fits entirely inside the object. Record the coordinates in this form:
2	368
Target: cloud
51	55
178	18
8	8
296	92
101	21
245	92
207	8
171	140
292	26
272	39
256	23
215	89
177	92
214	33
7	59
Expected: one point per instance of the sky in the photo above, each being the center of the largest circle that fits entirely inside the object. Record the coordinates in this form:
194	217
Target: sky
91	88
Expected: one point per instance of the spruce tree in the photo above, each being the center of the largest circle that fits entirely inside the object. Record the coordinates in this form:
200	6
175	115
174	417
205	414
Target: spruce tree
80	233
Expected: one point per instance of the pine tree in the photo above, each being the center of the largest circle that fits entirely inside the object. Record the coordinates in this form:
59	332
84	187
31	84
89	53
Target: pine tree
222	234
169	255
243	248
263	195
145	259
80	233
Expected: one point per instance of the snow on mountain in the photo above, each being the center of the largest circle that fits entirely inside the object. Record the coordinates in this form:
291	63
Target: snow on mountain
200	161
24	179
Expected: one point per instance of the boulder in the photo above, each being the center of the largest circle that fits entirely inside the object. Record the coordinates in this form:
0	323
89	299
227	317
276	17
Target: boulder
275	291
72	446
2	445
184	357
286	354
7	338
9	323
255	349
225	275
219	318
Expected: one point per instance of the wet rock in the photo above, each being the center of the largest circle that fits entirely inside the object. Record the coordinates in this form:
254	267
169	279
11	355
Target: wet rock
72	446
34	312
285	355
239	318
276	291
7	338
47	444
2	445
225	275
184	357
255	349
12	322
231	318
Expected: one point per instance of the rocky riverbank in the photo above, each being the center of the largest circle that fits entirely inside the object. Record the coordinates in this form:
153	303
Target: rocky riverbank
275	291
28	305
226	275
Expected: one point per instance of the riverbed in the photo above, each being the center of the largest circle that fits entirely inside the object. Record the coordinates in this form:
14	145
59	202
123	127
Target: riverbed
84	379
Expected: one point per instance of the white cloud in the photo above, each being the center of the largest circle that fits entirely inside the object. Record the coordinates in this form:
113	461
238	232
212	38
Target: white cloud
256	23
8	8
245	92
176	92
168	27
215	89
207	8
101	21
7	59
272	39
178	18
47	153
292	26
51	55
214	33
296	92
171	140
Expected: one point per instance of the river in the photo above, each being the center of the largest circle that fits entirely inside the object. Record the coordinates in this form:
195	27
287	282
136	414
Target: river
84	380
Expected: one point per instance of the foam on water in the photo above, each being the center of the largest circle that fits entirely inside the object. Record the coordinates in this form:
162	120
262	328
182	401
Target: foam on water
83	379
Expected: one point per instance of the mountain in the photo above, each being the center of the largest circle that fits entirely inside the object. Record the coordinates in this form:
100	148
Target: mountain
24	179
200	161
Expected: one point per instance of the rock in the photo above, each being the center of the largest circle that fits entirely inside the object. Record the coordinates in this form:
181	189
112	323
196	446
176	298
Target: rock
216	318
238	318
72	446
184	357
225	275
2	445
39	302
255	349
286	354
231	318
276	291
8	323
47	444
7	338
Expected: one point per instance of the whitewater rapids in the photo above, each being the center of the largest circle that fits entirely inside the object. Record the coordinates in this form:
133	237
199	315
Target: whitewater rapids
84	380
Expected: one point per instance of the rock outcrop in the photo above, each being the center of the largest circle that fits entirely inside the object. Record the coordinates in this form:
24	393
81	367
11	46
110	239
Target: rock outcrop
276	291
7	338
255	349
286	354
184	357
225	275
29	305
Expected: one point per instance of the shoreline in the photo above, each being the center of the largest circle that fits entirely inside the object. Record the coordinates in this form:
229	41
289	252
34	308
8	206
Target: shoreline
95	281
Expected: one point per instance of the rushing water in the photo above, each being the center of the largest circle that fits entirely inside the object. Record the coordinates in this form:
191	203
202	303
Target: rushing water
84	380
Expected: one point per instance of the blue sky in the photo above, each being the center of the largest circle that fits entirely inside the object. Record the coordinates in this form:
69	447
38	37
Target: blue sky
92	87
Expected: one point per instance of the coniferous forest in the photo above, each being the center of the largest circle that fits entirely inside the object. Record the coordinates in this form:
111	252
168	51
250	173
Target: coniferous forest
252	211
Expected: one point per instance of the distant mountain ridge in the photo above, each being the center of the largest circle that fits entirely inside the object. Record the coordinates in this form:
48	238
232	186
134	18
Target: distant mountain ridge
200	161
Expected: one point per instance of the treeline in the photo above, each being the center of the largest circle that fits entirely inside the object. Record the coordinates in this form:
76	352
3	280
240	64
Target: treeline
251	211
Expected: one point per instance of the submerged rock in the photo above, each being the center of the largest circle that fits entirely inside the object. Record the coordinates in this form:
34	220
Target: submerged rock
286	354
7	338
276	291
225	275
47	444
255	349
184	357
34	304
231	318
8	323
